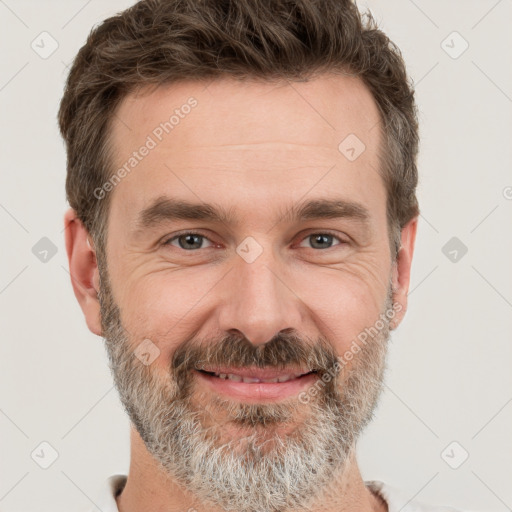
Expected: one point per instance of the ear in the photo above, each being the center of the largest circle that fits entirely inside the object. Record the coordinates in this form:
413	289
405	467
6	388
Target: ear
83	269
402	270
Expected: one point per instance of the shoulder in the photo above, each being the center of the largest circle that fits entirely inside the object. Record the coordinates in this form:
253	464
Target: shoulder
105	499
398	500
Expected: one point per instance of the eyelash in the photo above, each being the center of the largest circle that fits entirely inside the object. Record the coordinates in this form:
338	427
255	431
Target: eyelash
178	235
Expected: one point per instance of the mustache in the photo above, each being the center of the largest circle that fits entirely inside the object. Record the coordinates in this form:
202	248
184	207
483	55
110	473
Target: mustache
286	349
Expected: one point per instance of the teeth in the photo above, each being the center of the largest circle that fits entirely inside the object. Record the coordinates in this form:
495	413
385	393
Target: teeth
250	380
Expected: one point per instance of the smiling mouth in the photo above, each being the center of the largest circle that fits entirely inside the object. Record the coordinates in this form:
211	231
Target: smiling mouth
256	385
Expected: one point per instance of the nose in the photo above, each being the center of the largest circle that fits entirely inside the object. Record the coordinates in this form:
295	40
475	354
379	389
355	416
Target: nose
259	301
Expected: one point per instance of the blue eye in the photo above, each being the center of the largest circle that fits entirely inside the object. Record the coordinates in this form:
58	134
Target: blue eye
323	238
188	241
192	241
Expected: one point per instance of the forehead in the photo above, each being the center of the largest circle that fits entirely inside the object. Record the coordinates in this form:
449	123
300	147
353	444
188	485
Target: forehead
232	111
247	142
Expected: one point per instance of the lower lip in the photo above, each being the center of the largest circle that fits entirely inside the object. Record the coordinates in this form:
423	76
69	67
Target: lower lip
257	391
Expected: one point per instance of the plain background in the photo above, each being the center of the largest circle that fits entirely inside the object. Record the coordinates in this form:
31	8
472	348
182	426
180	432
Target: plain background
449	375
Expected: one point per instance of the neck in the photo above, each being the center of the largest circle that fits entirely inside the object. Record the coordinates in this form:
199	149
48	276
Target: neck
150	489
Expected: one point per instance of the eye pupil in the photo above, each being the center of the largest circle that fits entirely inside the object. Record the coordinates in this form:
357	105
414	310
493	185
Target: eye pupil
321	239
188	238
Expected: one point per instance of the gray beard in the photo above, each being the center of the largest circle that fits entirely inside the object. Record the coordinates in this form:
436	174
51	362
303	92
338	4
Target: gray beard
261	470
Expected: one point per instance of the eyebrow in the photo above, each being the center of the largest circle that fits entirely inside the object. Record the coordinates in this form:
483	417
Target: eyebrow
166	209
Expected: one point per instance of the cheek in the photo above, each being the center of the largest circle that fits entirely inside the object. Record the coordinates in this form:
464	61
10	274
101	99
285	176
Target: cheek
167	307
342	303
171	306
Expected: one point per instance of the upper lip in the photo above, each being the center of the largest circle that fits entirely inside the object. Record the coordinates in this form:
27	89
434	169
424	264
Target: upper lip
257	373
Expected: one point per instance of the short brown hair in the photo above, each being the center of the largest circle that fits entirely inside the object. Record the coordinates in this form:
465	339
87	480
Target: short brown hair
158	42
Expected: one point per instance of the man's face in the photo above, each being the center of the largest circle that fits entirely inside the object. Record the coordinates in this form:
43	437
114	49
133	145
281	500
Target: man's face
263	294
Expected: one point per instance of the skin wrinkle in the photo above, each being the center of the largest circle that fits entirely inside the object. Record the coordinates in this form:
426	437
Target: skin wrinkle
144	414
204	451
136	375
191	446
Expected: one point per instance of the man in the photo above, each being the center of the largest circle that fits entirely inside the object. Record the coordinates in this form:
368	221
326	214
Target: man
242	179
